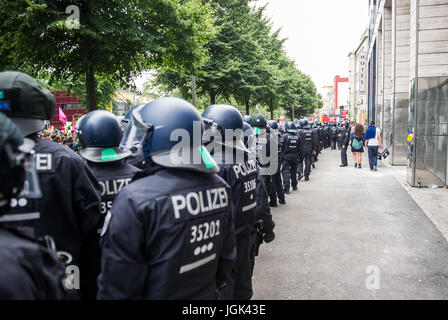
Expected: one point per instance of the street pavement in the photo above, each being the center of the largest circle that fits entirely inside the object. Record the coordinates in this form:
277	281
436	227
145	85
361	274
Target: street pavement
351	234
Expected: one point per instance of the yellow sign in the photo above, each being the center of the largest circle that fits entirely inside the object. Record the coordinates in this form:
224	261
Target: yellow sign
410	137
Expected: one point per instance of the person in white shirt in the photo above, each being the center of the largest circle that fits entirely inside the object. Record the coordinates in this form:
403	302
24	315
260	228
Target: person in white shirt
373	141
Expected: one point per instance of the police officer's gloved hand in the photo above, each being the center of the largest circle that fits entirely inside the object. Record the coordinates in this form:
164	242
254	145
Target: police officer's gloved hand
269	236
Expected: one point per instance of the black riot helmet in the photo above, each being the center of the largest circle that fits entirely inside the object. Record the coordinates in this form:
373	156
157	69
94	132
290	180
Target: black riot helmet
303	123
99	135
169	131
228	121
17	171
24	100
273	124
290	127
246	118
258	121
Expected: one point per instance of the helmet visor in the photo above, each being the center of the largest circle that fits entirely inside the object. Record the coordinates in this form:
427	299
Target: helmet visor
135	133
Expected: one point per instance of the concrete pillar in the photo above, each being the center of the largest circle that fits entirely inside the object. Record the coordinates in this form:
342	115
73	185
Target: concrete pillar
387	74
428	105
400	80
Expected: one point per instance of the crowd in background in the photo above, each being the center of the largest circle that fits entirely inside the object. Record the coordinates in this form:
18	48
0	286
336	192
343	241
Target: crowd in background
65	138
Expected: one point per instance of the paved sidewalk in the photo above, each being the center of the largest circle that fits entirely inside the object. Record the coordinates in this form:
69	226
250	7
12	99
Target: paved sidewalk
344	223
433	202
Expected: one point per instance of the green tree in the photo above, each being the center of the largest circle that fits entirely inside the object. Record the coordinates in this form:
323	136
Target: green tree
115	41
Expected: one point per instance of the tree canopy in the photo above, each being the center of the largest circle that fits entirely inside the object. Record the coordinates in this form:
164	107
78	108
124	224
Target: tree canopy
248	66
110	43
227	48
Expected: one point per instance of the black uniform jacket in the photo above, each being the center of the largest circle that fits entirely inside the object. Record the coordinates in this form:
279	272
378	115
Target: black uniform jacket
291	145
29	271
170	236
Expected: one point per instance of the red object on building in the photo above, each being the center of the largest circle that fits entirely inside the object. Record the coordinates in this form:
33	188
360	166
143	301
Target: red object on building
325	119
71	106
337	79
344	113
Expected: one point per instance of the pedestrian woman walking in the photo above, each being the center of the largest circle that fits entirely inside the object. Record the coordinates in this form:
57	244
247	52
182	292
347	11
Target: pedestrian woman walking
357	144
372	141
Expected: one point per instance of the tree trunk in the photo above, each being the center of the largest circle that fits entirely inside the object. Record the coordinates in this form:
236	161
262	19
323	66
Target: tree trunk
271	108
247	107
91	89
193	89
212	97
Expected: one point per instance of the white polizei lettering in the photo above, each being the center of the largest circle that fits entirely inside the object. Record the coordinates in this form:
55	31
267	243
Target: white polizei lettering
195	202
113	187
43	161
122	183
245	168
103	188
209	200
223	197
108	191
201	199
237	171
178	204
190	207
215	198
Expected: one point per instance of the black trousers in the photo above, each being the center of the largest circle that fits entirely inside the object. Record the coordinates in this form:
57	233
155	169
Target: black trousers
277	187
344	156
289	173
239	286
307	157
333	143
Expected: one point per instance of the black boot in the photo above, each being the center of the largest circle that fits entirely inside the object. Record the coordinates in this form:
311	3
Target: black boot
307	178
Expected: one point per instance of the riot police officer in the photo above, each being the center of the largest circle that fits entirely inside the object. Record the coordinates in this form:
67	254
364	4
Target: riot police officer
277	191
248	193
289	156
171	232
345	140
315	130
327	134
333	135
99	136
307	147
339	135
266	147
29	270
321	135
69	209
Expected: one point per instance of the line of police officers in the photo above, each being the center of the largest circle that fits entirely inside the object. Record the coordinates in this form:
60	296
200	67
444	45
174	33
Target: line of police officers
169	204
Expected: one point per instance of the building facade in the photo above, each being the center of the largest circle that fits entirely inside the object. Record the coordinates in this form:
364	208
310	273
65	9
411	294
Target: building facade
408	84
328	101
358	81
